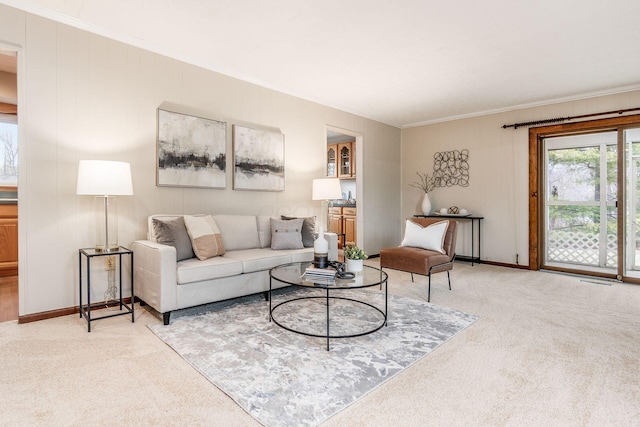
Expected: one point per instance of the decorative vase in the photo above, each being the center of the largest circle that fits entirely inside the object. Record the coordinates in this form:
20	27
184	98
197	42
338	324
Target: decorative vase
354	265
426	204
321	250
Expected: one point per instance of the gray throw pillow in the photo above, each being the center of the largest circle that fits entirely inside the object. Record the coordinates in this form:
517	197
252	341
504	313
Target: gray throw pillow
286	234
173	232
308	229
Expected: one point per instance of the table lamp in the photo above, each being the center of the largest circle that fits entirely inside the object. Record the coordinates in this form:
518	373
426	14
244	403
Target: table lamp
326	189
105	179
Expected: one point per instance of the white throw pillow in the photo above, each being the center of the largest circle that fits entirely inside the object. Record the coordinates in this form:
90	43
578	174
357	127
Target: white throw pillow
430	237
205	236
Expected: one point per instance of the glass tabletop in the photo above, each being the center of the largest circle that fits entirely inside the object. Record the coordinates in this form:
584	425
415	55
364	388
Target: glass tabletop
91	252
294	274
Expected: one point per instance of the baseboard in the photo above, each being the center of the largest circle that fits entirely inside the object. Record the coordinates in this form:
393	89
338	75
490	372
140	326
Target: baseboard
74	310
505	264
34	317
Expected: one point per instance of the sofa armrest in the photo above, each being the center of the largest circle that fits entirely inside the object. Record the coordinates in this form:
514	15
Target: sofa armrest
155	274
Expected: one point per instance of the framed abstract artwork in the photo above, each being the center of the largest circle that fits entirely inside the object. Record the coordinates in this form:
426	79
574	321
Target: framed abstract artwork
191	151
258	159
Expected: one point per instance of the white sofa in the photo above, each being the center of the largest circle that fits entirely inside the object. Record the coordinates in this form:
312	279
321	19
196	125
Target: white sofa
167	284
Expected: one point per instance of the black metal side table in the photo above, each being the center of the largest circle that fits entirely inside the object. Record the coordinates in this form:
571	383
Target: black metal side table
473	258
85	309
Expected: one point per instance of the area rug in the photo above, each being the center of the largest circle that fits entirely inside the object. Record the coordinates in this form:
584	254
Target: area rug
286	379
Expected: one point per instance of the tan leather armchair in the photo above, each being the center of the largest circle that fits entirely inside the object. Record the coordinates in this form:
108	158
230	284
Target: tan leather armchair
423	261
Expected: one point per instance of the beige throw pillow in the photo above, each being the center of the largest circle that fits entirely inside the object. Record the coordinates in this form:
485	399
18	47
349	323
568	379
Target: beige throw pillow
205	236
286	234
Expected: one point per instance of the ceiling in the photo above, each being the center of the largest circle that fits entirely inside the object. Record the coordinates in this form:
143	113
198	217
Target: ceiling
404	63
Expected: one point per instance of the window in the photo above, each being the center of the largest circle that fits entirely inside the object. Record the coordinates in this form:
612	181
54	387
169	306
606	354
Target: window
8	150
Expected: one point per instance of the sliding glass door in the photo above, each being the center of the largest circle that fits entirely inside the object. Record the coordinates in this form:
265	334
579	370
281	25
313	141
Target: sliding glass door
631	141
581	187
591	202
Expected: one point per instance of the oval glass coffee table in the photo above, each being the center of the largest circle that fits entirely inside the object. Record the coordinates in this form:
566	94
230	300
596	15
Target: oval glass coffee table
334	291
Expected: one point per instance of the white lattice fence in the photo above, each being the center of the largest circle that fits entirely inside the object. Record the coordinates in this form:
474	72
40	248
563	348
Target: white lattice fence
580	247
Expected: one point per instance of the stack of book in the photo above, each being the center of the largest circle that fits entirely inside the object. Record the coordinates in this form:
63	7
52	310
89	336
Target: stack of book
312	273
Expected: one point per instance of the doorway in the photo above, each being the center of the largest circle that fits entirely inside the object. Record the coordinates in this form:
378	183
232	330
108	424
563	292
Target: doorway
585	198
8	186
344	161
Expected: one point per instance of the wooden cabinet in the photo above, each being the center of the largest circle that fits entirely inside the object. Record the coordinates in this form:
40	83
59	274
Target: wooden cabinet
345	160
341	160
335	223
332	160
343	221
9	240
349	225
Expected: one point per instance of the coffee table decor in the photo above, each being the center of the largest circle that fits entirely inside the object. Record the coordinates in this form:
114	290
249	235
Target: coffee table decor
285	379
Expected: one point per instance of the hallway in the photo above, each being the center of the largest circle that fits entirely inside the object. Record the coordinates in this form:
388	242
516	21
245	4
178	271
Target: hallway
8	298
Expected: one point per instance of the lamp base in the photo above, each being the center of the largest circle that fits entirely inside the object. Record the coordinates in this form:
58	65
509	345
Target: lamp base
106	250
106	224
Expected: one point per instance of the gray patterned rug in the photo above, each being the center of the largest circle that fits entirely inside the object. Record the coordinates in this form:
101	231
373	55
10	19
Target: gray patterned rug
285	379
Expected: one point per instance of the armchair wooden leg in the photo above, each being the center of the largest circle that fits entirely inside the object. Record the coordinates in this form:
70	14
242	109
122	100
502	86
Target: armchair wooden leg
449	279
429	289
412	277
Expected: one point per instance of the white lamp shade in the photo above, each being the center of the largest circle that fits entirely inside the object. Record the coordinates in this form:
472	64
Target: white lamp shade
104	178
326	189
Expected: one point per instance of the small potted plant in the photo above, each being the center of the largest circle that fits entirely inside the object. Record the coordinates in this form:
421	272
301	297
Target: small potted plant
355	257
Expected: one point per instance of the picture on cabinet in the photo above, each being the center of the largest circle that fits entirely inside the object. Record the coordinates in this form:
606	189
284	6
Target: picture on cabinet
191	151
258	159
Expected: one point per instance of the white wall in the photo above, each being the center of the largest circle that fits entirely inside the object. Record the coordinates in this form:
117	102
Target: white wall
83	96
499	171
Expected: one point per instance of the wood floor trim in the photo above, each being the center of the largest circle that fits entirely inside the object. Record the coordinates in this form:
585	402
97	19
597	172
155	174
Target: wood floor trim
34	317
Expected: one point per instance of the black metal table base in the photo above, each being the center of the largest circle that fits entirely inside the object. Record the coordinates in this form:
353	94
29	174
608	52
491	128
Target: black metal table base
328	335
86	310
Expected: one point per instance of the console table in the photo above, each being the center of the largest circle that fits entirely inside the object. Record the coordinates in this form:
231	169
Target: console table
473	219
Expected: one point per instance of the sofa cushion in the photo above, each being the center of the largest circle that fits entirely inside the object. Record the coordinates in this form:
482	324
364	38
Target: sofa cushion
264	230
308	229
173	232
259	259
205	236
430	237
306	254
195	270
286	234
238	231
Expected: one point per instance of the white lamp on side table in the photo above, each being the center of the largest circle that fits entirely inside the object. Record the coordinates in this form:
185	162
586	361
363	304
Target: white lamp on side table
105	179
326	189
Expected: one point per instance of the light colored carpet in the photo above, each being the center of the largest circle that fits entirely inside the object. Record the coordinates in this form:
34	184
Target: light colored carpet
549	350
285	379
